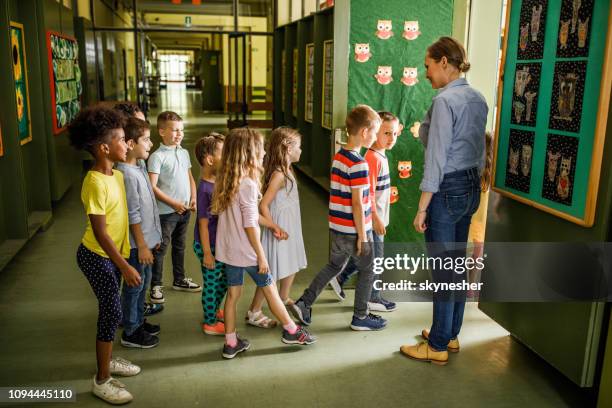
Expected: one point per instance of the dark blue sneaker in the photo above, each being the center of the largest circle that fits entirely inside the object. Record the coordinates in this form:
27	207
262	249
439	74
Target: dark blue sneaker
300	311
370	322
382	305
150	328
153	308
241	345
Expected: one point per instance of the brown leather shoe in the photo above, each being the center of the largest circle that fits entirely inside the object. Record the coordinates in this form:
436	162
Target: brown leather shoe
423	352
453	344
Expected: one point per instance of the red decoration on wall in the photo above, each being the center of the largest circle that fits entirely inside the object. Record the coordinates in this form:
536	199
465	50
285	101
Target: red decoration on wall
196	2
176	1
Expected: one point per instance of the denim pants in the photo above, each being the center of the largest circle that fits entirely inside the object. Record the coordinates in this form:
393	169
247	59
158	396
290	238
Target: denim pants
351	268
448	222
174	229
133	297
343	248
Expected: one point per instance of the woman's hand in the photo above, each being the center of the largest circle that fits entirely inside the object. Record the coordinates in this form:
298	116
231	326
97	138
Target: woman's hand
131	276
419	221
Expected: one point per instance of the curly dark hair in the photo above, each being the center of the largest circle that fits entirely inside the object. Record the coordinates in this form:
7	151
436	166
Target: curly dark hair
93	126
127	108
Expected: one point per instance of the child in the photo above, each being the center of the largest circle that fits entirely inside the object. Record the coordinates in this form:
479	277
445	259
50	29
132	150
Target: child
238	244
132	110
349	222
145	234
380	189
280	205
105	245
175	190
208	152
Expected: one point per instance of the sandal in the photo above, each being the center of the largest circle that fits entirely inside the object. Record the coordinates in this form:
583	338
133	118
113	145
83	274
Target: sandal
258	319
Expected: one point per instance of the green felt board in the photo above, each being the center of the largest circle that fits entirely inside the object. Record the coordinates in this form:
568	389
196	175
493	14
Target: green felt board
595	59
408	103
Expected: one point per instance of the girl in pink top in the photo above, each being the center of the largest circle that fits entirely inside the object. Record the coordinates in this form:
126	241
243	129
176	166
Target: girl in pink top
238	245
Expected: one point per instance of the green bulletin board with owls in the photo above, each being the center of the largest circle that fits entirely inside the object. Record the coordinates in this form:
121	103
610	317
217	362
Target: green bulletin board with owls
386	71
549	135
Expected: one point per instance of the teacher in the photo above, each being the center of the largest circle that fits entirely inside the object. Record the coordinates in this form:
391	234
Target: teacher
453	134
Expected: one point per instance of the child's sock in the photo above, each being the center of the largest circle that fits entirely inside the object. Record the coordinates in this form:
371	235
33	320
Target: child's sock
231	339
290	327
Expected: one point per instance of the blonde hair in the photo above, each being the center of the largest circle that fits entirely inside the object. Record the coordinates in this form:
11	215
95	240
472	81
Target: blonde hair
485	178
362	116
277	156
453	51
240	158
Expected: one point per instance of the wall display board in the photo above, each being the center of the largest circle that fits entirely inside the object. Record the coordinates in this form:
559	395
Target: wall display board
554	92
328	83
65	79
1	145
309	82
294	84
387	48
20	76
283	82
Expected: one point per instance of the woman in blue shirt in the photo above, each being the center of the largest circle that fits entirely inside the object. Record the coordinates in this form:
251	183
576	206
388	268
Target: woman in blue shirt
453	133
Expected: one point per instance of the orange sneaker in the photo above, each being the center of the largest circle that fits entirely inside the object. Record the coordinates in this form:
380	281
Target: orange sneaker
217	329
220	315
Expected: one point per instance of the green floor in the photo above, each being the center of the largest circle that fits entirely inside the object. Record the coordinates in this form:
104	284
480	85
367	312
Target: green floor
48	315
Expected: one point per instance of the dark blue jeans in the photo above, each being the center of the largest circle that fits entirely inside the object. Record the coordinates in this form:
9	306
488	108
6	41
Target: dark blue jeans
351	268
174	230
133	297
448	222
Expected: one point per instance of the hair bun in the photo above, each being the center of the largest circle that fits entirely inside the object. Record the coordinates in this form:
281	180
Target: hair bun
464	66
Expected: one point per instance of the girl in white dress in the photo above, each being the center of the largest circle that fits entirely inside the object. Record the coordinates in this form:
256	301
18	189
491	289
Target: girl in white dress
280	205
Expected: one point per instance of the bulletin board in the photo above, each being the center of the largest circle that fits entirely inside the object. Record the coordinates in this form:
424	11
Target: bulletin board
1	145
20	76
309	94
387	52
65	79
554	91
328	83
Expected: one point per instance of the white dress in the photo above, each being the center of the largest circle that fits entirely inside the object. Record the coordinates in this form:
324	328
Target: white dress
288	256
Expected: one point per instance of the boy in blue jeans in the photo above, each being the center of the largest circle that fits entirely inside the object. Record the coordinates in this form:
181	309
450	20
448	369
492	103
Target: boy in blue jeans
380	191
175	190
145	235
350	223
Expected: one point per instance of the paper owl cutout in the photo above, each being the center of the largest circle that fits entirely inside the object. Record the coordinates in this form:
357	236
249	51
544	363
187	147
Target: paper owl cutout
362	52
411	30
384	29
414	129
394	195
409	76
404	168
383	75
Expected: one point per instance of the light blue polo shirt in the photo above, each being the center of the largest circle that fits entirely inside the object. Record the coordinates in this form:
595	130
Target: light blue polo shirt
172	163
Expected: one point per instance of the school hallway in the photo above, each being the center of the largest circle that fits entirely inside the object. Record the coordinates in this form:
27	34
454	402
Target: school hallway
48	315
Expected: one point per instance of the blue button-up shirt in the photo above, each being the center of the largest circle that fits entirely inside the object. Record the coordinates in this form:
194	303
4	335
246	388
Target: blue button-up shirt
453	133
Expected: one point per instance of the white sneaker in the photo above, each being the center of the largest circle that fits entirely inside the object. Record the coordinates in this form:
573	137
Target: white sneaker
112	391
122	367
335	285
157	295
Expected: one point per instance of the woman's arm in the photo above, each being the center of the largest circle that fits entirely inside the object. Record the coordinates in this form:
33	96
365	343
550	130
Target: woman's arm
421	215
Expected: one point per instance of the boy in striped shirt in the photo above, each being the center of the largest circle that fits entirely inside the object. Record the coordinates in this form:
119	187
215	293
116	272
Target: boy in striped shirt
350	222
380	191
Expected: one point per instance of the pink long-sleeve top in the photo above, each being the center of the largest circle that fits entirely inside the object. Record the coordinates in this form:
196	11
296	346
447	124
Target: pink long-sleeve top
233	246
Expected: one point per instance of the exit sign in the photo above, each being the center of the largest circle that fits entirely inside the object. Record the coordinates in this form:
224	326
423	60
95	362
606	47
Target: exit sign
187	21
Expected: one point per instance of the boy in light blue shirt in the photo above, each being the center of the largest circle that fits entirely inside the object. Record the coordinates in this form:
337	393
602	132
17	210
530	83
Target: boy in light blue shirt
175	189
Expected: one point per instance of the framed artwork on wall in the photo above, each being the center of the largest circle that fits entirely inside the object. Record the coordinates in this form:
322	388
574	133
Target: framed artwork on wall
559	142
283	79
328	83
20	76
309	94
1	145
65	79
294	84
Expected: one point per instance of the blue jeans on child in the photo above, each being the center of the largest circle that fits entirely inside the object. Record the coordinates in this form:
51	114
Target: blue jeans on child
351	268
133	297
448	222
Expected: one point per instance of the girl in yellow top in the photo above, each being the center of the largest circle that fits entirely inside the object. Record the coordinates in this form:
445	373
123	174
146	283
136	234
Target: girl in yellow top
105	245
